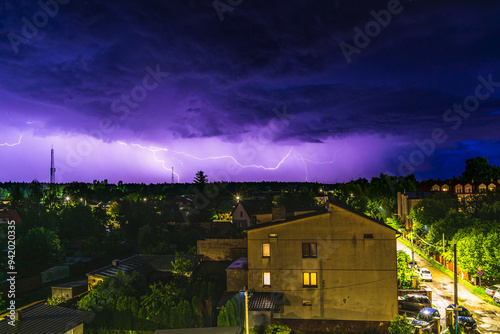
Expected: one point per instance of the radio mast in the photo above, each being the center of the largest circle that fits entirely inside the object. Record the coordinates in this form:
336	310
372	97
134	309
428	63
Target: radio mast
52	167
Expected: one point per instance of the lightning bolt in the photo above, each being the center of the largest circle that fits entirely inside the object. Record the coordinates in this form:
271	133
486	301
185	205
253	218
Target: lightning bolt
155	149
15	144
305	161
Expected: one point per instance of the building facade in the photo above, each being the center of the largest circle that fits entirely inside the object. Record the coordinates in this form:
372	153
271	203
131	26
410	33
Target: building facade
337	265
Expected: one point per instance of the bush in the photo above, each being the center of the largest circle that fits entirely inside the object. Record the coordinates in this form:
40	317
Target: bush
277	328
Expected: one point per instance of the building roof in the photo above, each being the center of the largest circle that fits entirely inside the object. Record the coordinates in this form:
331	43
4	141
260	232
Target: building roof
317	213
46	319
11	215
208	330
73	284
254	206
285	220
241	263
428	184
145	264
258	301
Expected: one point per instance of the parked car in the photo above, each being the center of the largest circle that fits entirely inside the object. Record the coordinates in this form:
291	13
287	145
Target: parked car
465	318
496	296
425	319
413	302
425	274
490	291
412	265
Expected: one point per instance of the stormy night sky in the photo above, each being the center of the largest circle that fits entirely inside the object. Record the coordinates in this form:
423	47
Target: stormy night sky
247	90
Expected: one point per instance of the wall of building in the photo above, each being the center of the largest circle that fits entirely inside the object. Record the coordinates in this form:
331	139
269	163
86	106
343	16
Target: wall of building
236	279
356	276
220	249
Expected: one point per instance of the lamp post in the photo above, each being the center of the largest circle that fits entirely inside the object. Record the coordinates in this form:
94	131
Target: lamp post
412	251
246	312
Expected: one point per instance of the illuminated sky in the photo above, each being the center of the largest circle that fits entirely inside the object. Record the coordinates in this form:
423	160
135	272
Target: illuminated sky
324	91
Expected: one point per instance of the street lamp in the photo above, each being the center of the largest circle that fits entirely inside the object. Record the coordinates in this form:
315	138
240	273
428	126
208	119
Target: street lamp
245	291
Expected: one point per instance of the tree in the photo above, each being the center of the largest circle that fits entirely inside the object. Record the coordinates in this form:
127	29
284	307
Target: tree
404	273
200	179
181	266
223	319
479	169
38	249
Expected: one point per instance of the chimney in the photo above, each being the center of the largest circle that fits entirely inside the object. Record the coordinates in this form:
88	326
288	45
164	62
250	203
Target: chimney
278	213
115	262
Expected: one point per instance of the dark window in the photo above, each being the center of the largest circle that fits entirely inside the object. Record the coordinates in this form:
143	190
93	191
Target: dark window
368	236
241	214
309	250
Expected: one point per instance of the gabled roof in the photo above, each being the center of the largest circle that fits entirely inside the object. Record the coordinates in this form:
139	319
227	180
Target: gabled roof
46	319
318	213
253	207
11	215
281	221
145	264
258	301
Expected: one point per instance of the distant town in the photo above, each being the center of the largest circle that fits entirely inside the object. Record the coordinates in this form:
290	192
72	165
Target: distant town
385	255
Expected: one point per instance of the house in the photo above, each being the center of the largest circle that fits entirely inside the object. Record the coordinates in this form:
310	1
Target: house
9	215
66	291
43	318
323	271
407	200
251	212
459	189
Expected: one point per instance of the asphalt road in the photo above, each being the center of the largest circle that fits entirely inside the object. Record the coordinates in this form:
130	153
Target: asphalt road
487	316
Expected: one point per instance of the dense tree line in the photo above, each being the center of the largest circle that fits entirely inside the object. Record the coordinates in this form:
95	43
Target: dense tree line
127	302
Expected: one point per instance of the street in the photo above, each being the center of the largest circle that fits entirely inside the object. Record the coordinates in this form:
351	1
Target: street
487	316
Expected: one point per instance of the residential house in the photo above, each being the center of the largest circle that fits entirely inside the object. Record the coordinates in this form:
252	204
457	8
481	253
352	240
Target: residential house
456	188
252	212
320	271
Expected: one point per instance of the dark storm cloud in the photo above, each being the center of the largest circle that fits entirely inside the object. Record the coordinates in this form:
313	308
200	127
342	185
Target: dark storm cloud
226	77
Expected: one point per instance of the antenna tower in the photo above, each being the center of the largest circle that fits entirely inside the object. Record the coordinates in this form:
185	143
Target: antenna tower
172	175
52	167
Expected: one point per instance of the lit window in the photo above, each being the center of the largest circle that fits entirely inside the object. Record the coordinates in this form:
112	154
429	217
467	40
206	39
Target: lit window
309	250
467	190
310	280
266	250
267	279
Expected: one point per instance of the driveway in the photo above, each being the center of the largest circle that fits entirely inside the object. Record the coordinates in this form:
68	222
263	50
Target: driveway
486	315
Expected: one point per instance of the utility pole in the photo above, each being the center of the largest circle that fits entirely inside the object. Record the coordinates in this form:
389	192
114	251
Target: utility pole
455	286
246	312
412	251
443	245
